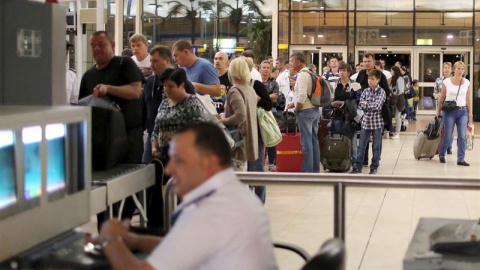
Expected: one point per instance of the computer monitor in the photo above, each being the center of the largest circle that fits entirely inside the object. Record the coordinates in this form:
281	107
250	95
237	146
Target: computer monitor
32	142
56	176
8	195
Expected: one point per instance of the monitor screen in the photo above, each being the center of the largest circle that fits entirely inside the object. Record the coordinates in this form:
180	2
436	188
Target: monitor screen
7	169
32	140
55	135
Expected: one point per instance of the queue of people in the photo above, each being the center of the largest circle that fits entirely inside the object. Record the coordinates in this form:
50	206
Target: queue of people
181	133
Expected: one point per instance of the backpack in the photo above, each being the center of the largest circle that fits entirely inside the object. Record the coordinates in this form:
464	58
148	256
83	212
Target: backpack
321	94
409	92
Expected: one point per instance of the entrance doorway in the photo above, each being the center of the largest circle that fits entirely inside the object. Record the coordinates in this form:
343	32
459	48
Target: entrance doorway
319	55
423	63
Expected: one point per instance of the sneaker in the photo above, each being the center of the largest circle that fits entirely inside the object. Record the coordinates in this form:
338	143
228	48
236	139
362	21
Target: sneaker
272	168
355	171
449	151
442	160
395	137
373	171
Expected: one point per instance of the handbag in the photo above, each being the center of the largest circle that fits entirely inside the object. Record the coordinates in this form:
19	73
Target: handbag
448	106
269	130
470	137
235	132
213	119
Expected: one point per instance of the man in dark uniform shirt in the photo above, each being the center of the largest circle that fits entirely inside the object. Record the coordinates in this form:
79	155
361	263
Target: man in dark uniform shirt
119	79
221	65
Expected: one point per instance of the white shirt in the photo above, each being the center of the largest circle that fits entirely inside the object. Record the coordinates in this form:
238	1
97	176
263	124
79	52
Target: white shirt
354	77
254	74
284	82
222	226
387	74
72	88
452	91
302	88
144	65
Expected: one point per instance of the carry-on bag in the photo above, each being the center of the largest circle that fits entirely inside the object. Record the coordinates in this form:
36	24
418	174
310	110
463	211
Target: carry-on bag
423	147
337	153
289	153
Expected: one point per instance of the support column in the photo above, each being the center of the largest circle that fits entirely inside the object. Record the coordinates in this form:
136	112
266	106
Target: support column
119	27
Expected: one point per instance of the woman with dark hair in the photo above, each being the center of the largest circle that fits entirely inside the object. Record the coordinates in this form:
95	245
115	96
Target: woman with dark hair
397	87
408	86
177	109
456	88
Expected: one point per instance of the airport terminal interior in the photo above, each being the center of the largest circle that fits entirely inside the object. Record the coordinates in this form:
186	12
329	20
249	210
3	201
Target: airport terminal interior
382	221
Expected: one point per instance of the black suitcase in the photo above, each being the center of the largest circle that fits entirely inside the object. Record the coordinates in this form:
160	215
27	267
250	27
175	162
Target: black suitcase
337	153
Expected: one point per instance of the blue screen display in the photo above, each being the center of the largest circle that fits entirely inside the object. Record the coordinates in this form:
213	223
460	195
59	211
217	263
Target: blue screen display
32	139
7	169
55	135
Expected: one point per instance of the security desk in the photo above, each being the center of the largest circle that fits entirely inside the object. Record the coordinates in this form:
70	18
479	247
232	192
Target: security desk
419	256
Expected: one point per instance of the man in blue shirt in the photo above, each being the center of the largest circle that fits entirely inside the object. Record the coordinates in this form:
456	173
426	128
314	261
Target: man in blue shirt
200	72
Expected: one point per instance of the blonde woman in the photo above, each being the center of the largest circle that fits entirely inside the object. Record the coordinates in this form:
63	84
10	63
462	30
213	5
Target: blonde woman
241	111
456	88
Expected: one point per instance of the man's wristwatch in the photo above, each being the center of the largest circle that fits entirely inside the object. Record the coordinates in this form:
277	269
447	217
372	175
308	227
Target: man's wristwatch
104	243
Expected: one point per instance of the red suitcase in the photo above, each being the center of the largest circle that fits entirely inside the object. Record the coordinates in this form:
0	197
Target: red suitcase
289	153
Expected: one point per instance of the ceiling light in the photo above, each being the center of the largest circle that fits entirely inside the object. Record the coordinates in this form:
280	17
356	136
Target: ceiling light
450	36
383	36
320	36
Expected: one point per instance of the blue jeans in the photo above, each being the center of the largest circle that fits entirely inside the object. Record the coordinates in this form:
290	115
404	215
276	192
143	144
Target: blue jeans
414	109
407	108
354	148
307	121
147	150
376	147
257	166
450	119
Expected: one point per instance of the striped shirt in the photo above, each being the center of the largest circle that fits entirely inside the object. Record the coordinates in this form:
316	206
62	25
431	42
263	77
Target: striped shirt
371	103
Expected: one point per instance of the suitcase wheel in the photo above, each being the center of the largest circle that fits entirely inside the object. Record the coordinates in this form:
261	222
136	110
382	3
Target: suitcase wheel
418	158
431	158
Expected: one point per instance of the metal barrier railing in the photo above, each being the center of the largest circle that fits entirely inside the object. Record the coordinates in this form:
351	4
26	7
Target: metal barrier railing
340	182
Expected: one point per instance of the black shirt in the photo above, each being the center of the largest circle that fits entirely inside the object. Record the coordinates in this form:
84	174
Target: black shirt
120	71
225	85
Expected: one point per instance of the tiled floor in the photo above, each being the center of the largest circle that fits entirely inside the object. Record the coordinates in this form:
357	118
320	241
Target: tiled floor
380	221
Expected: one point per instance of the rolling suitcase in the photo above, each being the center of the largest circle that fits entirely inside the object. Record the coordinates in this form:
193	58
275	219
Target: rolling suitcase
337	153
423	147
289	153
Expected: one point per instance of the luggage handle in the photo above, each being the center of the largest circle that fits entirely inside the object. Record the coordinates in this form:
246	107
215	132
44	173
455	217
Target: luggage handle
286	124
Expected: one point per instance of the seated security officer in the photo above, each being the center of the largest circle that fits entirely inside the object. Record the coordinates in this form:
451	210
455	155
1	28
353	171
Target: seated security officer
218	225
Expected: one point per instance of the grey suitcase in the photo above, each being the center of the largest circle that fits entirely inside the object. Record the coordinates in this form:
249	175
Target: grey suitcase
423	147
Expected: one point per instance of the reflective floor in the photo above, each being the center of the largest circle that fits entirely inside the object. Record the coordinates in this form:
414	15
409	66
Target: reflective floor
380	221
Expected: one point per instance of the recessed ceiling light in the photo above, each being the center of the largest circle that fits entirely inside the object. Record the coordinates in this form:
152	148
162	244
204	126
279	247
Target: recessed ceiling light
304	35
383	36
320	36
450	36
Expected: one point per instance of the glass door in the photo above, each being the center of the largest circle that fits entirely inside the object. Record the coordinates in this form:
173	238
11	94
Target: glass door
319	55
429	62
390	54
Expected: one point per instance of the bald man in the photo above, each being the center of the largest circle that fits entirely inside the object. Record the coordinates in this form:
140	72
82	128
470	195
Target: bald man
221	64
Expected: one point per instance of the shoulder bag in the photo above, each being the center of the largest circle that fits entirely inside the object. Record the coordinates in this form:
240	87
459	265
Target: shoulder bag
448	106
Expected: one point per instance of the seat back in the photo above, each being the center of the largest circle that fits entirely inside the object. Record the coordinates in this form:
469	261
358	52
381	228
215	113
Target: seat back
330	257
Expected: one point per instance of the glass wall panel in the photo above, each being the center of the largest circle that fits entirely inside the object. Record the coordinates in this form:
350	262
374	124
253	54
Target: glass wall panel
477	4
459	5
282	28
319	28
351	37
444	28
384	5
384	28
476	57
282	4
318	5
